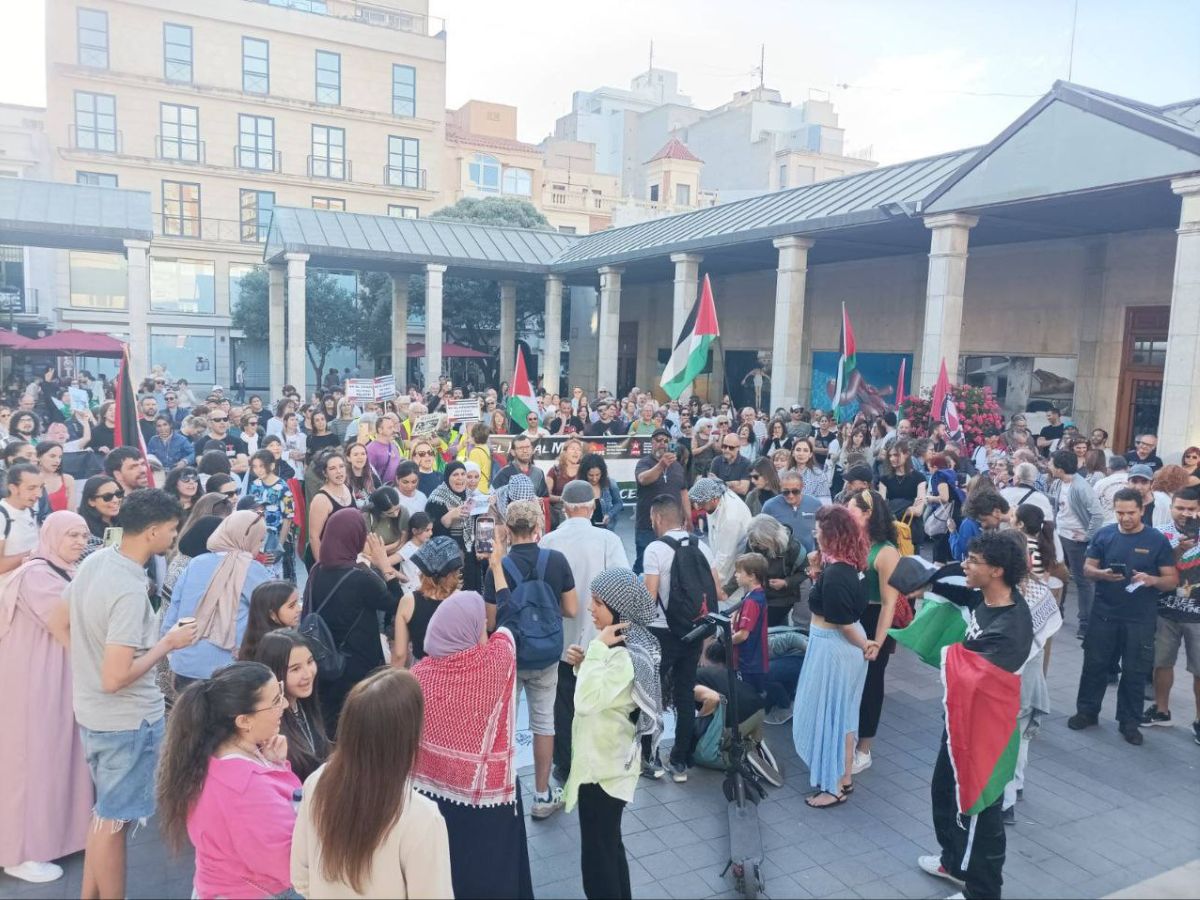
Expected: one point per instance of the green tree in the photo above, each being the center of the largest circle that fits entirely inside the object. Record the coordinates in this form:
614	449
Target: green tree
331	317
494	211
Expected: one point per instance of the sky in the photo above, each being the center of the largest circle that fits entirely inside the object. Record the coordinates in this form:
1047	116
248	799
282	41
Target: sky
909	78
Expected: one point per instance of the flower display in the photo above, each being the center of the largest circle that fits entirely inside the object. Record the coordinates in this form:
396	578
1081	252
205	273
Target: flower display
978	413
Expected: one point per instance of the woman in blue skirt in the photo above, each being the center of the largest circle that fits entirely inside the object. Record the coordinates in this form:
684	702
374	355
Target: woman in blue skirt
825	718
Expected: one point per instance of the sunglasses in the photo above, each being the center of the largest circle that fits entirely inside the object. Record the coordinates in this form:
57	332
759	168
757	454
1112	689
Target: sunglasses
791	492
218	418
423	453
110	496
169	397
729	446
229	493
252	423
189	477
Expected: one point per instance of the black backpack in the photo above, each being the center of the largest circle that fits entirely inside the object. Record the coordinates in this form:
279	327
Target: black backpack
693	591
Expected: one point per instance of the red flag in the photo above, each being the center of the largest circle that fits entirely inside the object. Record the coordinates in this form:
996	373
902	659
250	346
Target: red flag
900	385
941	405
127	432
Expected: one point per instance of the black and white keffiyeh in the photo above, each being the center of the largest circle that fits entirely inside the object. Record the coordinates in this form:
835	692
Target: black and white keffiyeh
706	489
519	487
625	594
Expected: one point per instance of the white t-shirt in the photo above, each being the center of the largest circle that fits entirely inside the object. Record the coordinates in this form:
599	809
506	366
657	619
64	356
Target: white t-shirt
22	534
1066	523
657	561
415	503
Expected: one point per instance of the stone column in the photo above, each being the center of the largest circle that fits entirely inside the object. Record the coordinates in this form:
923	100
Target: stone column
277	330
552	357
787	355
433	323
610	327
508	330
297	358
687	282
944	294
1179	417
400	331
137	299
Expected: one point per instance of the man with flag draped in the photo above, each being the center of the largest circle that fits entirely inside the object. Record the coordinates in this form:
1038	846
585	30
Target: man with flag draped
979	630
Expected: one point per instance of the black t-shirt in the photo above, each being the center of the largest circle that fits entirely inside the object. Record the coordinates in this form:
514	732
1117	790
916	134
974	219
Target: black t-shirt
737	470
525	556
1131	457
1147	551
574	425
716	678
350	613
1051	433
669	484
1003	635
902	487
231	445
600	428
839	595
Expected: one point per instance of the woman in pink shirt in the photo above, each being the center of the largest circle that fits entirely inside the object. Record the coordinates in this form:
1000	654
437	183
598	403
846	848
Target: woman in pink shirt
224	782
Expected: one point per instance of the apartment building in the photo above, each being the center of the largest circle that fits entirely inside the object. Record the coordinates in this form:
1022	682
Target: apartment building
26	273
223	110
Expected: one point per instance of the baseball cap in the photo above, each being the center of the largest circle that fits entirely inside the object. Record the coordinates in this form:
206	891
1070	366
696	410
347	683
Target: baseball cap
1141	471
796	407
660	431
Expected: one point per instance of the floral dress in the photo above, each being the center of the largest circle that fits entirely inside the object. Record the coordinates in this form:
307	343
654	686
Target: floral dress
278	506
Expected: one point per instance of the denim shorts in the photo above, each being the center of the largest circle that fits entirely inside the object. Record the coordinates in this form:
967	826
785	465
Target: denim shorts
541	687
122	765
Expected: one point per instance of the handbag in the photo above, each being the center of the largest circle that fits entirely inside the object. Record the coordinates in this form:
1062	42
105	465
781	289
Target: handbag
328	655
936	517
904	538
902	614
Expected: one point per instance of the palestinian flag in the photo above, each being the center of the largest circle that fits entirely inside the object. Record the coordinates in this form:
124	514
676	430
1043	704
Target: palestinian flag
982	702
521	401
846	364
937	625
691	347
127	432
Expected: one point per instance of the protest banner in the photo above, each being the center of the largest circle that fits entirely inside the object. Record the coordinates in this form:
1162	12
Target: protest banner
463	411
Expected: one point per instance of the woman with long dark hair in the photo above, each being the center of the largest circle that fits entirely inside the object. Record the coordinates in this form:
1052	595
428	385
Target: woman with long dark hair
825	715
99	503
225	784
183	484
362	829
333	496
274	604
764	484
777	438
290	658
360	477
594	470
320	436
804	460
877	521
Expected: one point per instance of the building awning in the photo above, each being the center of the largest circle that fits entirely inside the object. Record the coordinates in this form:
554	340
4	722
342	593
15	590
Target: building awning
72	216
10	340
83	343
449	350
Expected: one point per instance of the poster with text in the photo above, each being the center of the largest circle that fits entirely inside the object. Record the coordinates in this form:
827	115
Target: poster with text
872	385
1024	384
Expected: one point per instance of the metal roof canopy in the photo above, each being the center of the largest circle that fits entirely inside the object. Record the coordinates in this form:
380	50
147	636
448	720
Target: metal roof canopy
72	216
335	239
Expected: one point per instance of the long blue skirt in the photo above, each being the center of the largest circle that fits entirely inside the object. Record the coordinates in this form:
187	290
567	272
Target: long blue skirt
826	709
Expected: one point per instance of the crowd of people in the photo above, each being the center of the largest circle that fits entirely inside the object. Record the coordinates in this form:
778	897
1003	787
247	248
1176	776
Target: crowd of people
299	630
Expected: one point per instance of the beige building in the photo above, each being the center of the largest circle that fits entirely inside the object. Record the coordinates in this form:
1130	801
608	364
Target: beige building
26	273
223	110
576	198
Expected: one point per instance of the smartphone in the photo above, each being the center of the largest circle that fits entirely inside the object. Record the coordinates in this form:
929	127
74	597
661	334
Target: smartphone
112	536
1119	569
1191	528
485	533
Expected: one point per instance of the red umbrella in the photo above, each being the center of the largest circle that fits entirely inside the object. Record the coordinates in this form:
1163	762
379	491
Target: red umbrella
416	351
13	341
82	343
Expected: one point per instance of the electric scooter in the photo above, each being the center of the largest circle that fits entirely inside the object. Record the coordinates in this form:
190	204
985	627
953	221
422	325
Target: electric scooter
742	786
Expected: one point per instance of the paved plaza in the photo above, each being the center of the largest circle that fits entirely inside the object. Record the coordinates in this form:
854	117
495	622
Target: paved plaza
1099	815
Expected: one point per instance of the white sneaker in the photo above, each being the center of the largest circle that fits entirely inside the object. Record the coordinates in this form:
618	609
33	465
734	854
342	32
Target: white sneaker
546	806
862	762
932	865
35	872
958	896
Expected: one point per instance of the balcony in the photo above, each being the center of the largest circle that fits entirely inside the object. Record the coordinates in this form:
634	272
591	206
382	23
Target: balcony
379	14
94	141
257	160
176	150
12	299
413	179
332	169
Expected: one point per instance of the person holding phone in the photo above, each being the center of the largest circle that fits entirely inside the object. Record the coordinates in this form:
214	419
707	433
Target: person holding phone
1132	565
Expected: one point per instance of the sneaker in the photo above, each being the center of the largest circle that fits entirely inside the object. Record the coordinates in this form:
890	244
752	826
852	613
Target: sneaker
547	804
1080	721
1020	793
1196	730
35	872
678	772
780	715
862	762
1009	816
652	768
956	896
932	865
1133	735
1153	717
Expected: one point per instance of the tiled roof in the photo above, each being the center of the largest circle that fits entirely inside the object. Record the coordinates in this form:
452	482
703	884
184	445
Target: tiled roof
471	139
675	149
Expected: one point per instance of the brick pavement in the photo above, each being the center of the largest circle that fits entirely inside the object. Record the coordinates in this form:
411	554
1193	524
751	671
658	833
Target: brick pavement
1099	815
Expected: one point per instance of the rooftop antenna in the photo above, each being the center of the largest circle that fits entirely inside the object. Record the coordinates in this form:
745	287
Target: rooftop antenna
762	64
651	54
1071	54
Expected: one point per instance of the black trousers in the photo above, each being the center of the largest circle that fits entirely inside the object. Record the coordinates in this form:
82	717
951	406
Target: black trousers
779	615
678	671
564	715
602	854
871	706
972	846
1107	641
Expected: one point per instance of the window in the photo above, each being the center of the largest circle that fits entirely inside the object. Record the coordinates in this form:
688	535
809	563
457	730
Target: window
180	132
519	182
683	195
567	229
177	52
183	354
404	91
337	204
96	179
256	142
328	158
782	177
95	121
238	271
484	172
329	77
183	285
403	212
98	280
256	207
404	162
91	33
256	66
654	193
181	209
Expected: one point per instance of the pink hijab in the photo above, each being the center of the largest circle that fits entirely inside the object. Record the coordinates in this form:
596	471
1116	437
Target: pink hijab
36	583
239	537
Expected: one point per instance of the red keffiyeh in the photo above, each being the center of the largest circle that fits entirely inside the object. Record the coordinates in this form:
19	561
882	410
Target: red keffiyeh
467	752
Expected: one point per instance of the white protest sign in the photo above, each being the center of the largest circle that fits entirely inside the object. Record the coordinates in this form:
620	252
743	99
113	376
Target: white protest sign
463	411
385	387
426	425
360	389
79	399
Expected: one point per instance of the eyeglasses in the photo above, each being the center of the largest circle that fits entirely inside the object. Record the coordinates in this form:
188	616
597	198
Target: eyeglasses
791	492
110	496
279	701
1145	444
169	397
252	423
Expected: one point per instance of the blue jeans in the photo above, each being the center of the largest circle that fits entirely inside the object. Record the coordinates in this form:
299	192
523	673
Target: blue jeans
122	765
1085	590
642	538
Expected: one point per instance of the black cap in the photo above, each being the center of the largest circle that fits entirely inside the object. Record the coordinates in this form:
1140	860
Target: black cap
662	431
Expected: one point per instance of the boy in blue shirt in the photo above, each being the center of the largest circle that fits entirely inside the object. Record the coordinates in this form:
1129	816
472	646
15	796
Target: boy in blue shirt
750	654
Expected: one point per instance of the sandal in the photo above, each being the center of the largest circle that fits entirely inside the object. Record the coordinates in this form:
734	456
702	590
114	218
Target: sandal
848	789
839	799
